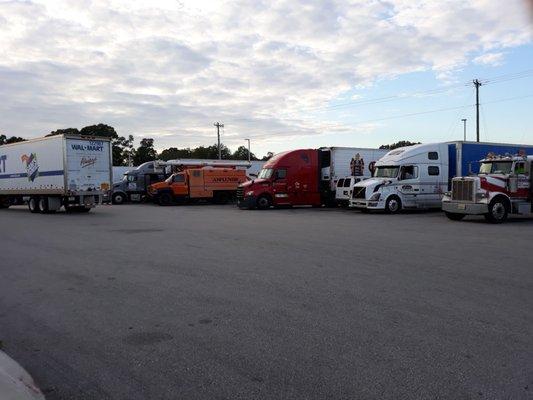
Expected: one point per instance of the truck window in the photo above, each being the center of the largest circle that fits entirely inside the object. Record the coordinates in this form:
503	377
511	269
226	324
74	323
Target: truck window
433	155
179	178
340	182
520	168
347	182
281	174
196	174
433	170
409	172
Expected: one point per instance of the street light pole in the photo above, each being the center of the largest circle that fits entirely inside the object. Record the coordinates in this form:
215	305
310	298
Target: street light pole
464	128
249	153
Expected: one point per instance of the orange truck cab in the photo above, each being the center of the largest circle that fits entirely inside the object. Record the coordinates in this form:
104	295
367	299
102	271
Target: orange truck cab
208	183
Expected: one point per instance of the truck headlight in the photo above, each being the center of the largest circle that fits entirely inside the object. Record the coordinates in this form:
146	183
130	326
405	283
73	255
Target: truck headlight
375	197
250	193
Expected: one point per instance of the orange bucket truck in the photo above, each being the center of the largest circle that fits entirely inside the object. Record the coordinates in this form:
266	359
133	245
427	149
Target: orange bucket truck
213	183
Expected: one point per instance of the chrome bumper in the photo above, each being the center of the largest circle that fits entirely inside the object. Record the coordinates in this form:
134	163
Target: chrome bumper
458	207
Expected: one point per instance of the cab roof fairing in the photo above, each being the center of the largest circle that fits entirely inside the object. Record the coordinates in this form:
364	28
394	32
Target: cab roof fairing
400	155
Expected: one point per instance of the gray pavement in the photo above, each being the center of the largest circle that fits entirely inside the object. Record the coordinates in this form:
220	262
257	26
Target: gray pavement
211	302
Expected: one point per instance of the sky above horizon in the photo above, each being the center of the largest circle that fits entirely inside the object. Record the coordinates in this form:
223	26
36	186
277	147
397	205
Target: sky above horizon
286	74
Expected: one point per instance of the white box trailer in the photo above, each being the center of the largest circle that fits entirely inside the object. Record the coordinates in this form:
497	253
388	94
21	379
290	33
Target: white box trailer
57	171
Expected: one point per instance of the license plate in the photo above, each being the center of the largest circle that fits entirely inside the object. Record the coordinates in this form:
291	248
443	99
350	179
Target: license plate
461	206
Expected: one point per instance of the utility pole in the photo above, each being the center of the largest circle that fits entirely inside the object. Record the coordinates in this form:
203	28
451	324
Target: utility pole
249	154
219	125
464	128
477	84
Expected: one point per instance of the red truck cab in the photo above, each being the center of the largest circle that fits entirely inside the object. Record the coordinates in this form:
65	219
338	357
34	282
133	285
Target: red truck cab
289	178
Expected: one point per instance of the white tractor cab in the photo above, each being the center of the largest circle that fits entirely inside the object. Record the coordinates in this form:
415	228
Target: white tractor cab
408	177
344	188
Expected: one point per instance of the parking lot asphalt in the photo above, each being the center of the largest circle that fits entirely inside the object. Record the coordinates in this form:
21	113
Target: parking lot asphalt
211	302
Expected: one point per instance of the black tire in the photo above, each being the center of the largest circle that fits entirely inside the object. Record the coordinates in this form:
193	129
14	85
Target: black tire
221	198
33	205
119	198
43	205
498	210
5	202
165	199
393	205
454	216
263	202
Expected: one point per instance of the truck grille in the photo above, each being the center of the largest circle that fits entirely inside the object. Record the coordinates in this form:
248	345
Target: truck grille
359	193
463	190
240	193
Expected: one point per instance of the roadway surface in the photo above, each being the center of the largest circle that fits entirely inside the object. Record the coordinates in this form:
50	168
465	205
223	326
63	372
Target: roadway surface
211	302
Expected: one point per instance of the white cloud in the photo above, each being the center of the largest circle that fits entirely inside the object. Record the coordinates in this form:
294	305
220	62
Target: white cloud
492	59
170	68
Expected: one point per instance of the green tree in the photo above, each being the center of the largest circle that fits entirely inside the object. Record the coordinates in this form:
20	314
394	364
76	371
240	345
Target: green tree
67	131
401	143
173	153
145	152
211	152
242	154
268	156
8	140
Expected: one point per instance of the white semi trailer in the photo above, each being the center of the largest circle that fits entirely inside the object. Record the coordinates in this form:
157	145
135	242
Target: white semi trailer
59	171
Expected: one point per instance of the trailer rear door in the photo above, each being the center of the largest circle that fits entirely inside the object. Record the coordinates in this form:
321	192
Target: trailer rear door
88	165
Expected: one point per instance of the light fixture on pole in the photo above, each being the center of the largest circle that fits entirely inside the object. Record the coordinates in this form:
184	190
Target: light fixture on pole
249	153
464	128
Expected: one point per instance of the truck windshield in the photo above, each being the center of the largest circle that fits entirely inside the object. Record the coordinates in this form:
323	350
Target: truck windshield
496	167
386	172
265	173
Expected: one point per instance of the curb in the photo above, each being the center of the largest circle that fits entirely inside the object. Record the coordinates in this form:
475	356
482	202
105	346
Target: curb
15	382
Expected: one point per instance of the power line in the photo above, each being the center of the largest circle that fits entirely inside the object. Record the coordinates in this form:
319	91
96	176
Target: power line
378	100
440	110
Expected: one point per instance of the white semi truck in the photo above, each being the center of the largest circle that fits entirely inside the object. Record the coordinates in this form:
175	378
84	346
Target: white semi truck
48	173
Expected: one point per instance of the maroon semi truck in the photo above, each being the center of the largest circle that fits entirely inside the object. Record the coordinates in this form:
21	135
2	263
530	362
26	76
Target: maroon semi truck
305	177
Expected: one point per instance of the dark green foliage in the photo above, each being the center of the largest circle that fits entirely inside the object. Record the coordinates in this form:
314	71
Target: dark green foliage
145	152
8	140
401	143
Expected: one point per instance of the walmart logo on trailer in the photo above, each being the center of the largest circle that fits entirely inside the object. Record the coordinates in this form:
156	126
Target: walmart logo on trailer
32	168
92	146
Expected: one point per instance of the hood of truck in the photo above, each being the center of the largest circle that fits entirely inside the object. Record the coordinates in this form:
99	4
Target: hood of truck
251	184
159	185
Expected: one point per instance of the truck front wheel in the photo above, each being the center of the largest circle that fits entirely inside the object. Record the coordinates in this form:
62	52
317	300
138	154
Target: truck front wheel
33	205
166	199
263	202
393	205
119	198
454	216
498	211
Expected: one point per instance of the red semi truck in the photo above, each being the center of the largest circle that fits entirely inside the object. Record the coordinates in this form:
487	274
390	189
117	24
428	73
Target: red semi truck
305	177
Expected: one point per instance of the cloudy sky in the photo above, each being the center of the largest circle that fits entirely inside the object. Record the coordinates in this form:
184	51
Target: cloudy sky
286	74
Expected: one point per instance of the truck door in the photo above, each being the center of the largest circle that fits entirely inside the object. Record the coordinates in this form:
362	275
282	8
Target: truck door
409	185
282	193
179	185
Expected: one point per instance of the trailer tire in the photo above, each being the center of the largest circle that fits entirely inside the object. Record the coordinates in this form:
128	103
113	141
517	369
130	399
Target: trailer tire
454	216
119	198
498	210
33	205
165	199
43	205
393	205
221	198
263	202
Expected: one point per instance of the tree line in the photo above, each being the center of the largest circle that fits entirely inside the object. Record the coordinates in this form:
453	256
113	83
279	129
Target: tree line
125	153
